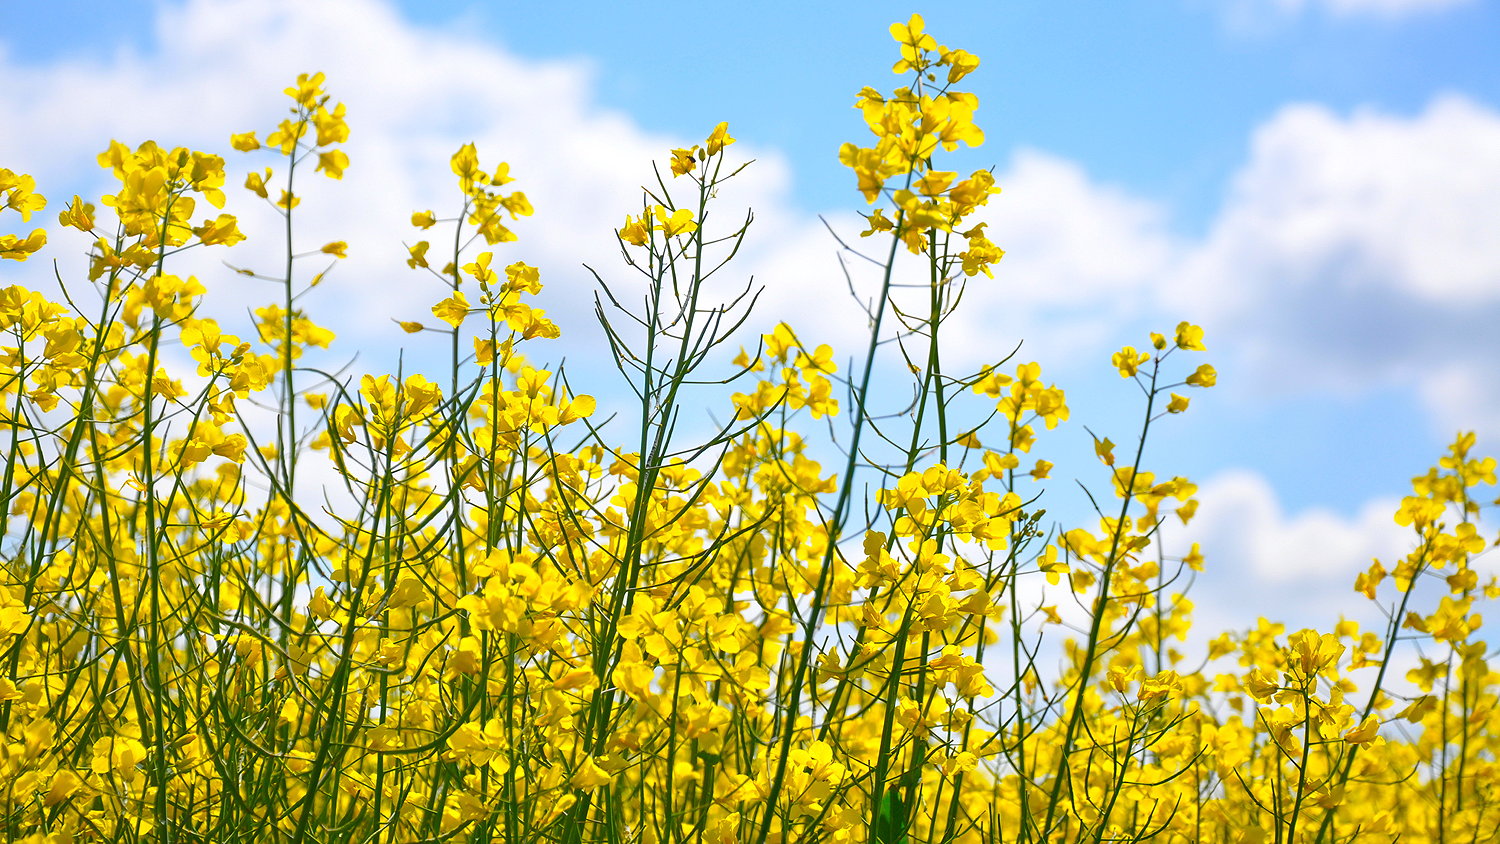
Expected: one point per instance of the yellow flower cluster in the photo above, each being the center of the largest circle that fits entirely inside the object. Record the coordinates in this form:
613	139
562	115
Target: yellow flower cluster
911	125
500	624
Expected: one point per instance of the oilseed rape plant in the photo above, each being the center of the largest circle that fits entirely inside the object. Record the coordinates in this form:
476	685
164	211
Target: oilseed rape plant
522	623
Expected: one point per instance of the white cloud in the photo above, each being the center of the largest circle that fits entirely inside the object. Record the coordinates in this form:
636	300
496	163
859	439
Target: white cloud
1464	390
414	95
1410	200
1359	252
1244	529
1079	257
1298	568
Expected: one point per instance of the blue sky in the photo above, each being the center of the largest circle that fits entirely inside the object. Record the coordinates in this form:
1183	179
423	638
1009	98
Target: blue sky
1309	179
1157	96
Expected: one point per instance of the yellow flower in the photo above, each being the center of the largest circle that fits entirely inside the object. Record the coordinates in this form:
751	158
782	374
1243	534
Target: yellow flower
256	183
244	141
118	755
18	249
878	223
960	63
225	230
333	163
307	90
719	138
1368	731
465	165
1194	559
1105	450
589	775
1312	652
1167	684
635	231
1203	376
79	215
1189	336
18	191
523	277
913	43
1261	685
286	136
680	222
453	309
581	407
1129	361
330	125
934	182
683	161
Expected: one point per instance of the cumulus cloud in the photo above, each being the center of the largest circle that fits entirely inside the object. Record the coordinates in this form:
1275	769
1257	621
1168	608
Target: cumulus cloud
1295	567
1079	256
414	95
1354	253
1358	252
1244	528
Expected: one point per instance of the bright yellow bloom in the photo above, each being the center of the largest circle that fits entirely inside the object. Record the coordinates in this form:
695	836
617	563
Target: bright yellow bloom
244	141
1203	376
256	183
308	89
680	222
465	165
960	63
453	309
683	161
636	231
718	139
1129	361
333	163
79	215
17	189
224	230
914	42
17	248
589	775
1189	336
